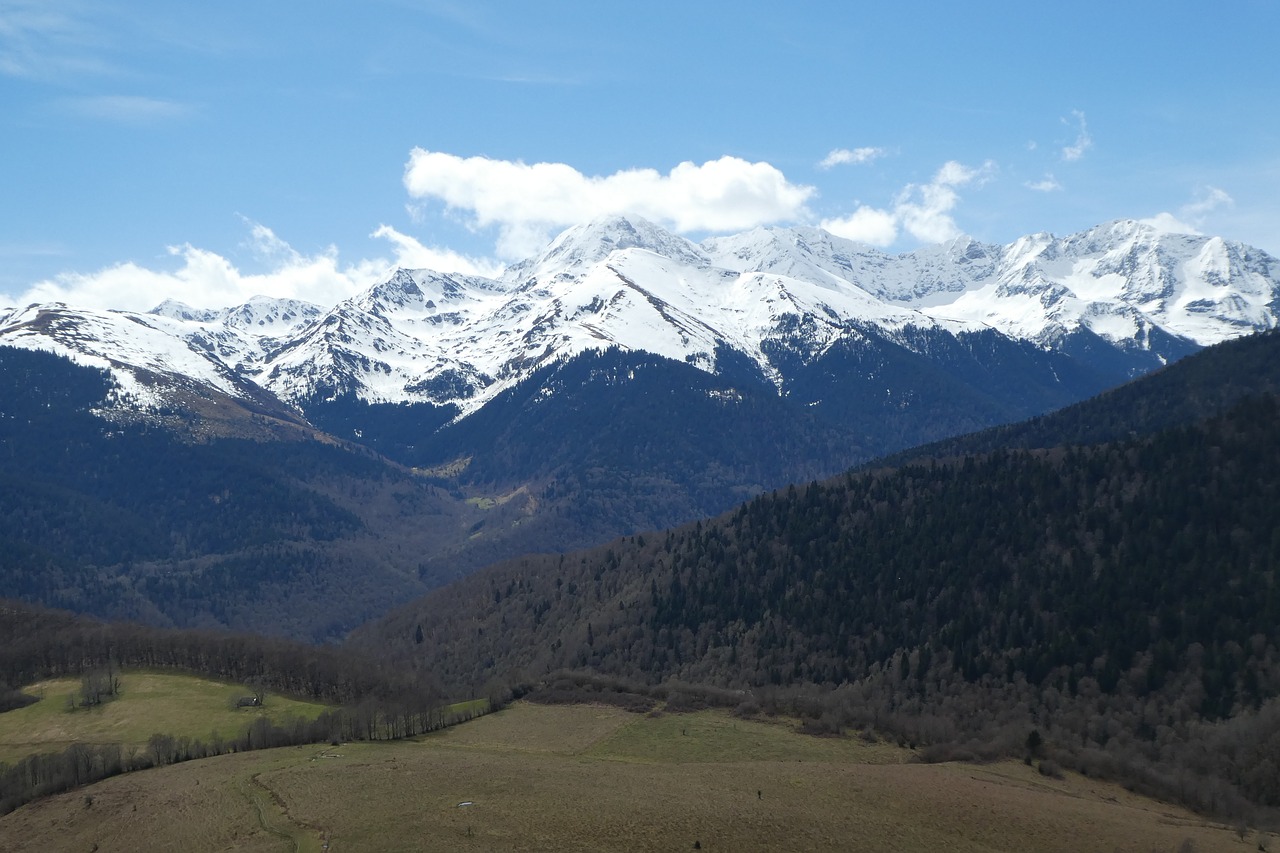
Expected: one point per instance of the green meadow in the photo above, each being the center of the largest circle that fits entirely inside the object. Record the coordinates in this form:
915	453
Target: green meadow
149	703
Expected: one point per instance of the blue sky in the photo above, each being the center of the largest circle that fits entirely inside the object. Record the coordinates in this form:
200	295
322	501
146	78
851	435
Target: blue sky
209	151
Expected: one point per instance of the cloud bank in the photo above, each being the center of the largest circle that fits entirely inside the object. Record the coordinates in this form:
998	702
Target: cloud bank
527	201
1191	217
205	279
922	210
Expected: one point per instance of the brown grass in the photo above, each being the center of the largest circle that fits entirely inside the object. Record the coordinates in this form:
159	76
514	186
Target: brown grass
566	778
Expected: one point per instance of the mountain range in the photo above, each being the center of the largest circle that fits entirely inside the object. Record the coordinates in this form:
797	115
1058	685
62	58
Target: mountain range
1120	298
232	466
694	437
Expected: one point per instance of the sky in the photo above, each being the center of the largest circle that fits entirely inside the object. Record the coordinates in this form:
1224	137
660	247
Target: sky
209	152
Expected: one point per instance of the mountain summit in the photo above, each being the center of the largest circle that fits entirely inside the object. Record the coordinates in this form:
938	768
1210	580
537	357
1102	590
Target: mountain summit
1121	298
578	248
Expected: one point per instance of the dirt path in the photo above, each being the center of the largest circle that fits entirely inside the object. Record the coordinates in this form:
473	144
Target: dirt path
273	816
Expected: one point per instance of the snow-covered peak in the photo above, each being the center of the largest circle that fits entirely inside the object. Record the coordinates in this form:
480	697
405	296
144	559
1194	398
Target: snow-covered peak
271	316
144	358
449	339
175	310
240	336
1121	278
821	258
808	253
581	247
261	315
423	291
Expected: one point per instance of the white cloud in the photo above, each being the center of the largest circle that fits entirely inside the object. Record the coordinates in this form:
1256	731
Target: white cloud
1166	221
842	156
1083	142
1047	184
526	201
133	109
922	210
206	279
412	254
1190	218
1207	201
866	225
925	210
43	40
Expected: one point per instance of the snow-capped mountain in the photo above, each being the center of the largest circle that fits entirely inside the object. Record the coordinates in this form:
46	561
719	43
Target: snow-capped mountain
139	354
241	336
421	336
1116	280
453	340
159	363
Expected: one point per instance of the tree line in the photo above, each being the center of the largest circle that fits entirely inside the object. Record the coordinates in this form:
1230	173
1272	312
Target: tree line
36	644
375	702
44	774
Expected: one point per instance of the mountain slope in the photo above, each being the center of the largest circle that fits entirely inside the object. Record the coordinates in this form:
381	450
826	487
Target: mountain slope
302	537
1191	390
1117	599
154	375
1166	532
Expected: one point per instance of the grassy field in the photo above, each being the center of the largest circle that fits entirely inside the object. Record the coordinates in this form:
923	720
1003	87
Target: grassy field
149	703
594	778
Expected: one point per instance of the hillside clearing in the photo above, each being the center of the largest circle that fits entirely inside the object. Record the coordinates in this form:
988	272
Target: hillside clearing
569	778
149	703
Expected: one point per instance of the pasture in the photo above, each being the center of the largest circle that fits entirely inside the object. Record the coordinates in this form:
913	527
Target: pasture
149	703
596	778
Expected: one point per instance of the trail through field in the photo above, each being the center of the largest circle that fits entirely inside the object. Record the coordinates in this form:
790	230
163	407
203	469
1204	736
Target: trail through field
586	777
273	816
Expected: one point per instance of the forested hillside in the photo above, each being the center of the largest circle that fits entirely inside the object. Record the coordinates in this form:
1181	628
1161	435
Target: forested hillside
175	518
1024	562
134	521
1117	597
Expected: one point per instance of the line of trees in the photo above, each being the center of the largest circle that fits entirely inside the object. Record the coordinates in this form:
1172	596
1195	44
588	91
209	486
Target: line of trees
97	685
36	644
377	702
45	774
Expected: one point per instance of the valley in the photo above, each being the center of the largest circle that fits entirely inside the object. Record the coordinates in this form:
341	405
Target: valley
970	547
499	426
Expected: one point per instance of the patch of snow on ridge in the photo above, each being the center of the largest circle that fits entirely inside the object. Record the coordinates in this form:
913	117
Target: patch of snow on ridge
118	342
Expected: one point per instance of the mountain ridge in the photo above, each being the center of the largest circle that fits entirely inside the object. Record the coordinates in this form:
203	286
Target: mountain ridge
1144	297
